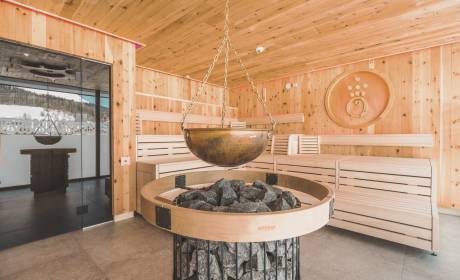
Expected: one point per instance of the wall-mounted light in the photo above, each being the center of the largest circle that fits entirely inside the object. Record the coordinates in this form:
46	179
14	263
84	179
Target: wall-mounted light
260	49
288	86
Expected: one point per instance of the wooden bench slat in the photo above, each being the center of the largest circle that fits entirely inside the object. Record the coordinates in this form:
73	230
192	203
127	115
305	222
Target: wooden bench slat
384	225
168	167
408	180
388	165
383	201
313	177
386	194
374	200
403	217
383	234
403	188
306	169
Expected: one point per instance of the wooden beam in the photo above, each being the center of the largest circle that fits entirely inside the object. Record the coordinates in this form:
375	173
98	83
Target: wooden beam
393	140
157	116
182	100
285	118
79	24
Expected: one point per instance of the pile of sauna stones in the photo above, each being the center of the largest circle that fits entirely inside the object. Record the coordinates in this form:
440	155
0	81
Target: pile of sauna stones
194	257
238	197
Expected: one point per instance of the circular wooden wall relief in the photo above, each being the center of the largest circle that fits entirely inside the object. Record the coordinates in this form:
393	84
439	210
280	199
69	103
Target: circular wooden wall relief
358	99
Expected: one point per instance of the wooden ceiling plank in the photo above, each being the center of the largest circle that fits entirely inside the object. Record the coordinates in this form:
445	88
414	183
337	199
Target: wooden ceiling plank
287	44
181	35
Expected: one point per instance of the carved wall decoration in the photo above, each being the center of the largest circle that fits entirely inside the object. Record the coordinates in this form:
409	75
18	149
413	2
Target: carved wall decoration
358	99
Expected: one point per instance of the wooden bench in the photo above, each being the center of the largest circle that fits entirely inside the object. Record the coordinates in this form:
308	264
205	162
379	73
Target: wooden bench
321	168
163	155
282	145
388	198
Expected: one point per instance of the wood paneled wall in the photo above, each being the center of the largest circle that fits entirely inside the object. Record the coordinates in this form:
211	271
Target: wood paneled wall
426	84
151	83
26	26
450	127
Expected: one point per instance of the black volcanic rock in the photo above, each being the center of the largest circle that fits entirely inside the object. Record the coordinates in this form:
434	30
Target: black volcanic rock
219	184
266	187
227	259
227	195
237	197
291	199
250	193
279	204
193	204
186	196
209	196
248	207
237	185
267	195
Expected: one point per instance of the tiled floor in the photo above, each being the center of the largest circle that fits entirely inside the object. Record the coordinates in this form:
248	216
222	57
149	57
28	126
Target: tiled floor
25	217
133	249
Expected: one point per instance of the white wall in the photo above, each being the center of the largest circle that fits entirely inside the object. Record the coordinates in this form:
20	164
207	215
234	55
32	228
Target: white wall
15	168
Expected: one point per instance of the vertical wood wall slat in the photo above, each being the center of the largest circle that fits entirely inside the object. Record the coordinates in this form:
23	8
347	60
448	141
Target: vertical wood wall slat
426	84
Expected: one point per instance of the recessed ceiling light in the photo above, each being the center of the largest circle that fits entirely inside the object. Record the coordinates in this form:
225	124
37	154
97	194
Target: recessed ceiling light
26	54
260	49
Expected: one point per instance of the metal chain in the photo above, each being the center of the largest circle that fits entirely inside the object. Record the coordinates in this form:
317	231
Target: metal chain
227	48
253	87
203	82
225	43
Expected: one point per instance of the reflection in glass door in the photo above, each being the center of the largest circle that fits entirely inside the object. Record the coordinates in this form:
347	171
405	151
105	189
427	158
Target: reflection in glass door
55	149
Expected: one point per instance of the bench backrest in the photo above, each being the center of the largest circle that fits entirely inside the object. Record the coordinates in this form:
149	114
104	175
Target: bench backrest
155	146
283	144
309	144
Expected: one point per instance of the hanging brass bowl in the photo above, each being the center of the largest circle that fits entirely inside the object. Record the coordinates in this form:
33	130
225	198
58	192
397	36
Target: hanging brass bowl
226	146
47	140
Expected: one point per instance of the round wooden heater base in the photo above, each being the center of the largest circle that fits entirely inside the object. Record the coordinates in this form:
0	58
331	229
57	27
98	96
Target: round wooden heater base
158	208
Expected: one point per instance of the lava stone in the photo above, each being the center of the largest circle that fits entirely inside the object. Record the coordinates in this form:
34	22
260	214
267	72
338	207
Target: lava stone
237	197
188	195
248	207
219	184
193	204
290	199
227	195
267	195
237	185
250	193
264	186
209	196
279	204
206	207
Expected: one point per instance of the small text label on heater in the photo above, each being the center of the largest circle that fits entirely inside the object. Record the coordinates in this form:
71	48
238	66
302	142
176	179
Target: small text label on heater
266	228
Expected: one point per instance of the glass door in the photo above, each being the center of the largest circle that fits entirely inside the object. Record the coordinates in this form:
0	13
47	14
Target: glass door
97	185
55	150
40	144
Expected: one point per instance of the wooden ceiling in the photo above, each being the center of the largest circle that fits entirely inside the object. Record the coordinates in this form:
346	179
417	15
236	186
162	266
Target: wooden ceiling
299	35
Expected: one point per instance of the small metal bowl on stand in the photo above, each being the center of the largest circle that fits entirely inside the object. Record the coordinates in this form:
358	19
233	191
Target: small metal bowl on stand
47	140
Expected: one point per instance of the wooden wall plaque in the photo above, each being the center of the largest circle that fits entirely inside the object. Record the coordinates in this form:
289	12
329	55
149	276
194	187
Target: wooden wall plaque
358	99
